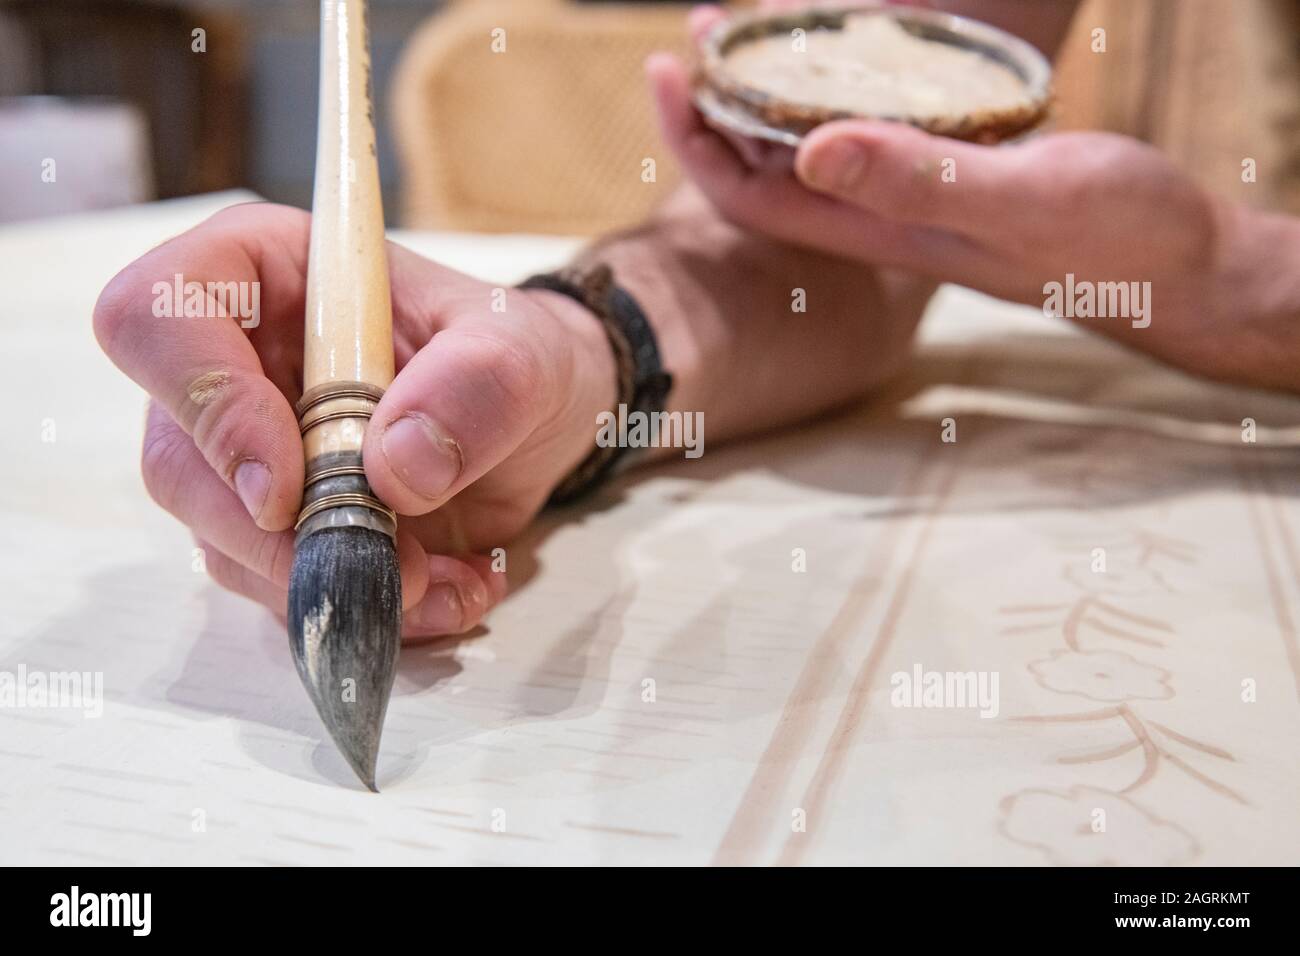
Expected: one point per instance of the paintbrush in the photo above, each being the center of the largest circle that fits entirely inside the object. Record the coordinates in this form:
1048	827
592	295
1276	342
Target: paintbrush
345	595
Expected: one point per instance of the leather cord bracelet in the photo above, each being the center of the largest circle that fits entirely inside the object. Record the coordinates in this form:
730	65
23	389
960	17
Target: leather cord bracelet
642	382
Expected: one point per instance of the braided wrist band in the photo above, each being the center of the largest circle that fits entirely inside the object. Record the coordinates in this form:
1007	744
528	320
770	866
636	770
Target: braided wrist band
642	383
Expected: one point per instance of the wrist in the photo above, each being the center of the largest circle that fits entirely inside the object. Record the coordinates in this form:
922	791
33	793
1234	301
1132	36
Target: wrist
588	383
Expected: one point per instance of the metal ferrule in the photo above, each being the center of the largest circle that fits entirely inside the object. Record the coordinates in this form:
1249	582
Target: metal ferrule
336	494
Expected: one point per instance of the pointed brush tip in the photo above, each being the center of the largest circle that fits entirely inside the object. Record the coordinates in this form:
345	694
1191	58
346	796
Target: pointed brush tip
344	633
365	776
363	759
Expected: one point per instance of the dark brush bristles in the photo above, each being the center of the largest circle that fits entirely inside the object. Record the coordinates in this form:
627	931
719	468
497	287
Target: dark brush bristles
345	621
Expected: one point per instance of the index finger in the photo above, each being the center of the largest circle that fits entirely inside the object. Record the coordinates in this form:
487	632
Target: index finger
164	320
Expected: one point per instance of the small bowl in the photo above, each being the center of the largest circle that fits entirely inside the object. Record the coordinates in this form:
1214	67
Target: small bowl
751	112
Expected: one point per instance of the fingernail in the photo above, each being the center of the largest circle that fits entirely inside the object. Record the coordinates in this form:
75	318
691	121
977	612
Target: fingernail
253	484
441	610
425	462
837	167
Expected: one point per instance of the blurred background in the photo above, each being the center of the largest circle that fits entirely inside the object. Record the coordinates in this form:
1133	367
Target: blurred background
531	115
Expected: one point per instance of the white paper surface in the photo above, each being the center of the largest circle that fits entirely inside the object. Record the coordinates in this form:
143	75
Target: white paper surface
771	737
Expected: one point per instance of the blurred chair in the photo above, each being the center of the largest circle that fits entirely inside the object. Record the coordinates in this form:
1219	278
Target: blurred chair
71	155
182	69
551	133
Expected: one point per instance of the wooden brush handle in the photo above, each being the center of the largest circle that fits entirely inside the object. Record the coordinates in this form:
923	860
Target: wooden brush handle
348	349
349	334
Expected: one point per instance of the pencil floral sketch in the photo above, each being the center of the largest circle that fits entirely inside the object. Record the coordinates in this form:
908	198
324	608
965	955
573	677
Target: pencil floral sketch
1071	827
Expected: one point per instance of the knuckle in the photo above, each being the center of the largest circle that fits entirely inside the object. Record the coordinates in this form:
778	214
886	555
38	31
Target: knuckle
230	575
912	196
900	191
513	367
232	416
221	569
164	466
272	555
244	215
1089	168
112	311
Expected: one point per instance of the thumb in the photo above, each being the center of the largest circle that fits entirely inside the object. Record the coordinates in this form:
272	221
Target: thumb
461	405
906	175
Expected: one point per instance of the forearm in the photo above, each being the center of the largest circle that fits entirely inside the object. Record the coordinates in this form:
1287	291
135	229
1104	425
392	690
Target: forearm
756	333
